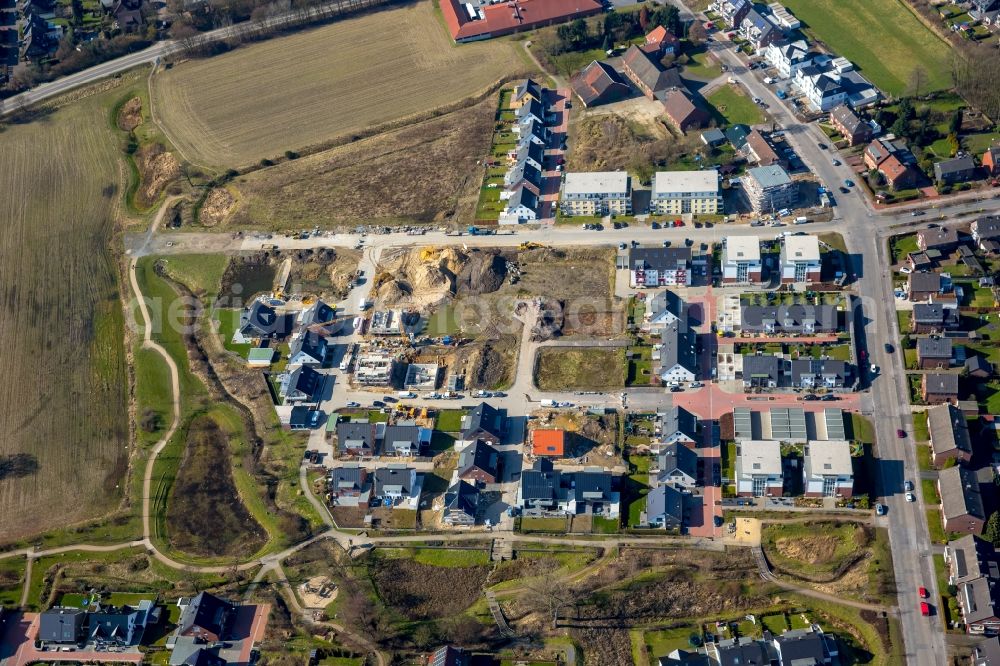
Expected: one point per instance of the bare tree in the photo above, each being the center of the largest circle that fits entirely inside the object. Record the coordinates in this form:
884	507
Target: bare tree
549	595
918	80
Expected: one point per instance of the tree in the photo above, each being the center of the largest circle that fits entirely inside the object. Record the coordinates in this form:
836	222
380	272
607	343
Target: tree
697	34
918	79
76	6
608	43
992	530
550	595
955	124
644	18
901	127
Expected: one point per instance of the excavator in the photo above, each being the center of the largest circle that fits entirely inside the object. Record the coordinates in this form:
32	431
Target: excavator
529	245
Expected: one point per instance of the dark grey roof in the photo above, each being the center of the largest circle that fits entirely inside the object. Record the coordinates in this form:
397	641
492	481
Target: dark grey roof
357	433
685	658
960	495
304	417
848	119
528	87
261	320
462	497
976	363
762	365
542	481
934	314
394	475
204	657
311	343
352	477
588	486
737	135
531	107
667	502
801	646
206	611
450	656
744	651
987	651
649	72
659	258
304	382
677	458
789	318
930	282
972	557
939	382
115	625
409	435
531	151
934	348
61	625
679	347
522	196
954	165
479	456
941	236
678	419
484	418
805	367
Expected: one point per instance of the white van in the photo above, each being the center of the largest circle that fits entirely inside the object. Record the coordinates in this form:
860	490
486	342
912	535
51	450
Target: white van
405	394
801	220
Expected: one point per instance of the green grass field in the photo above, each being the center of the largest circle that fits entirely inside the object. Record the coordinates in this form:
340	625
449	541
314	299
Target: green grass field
731	107
201	273
882	38
579	368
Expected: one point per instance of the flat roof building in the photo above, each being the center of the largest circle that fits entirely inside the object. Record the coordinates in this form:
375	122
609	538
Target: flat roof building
741	259
596	193
758	468
769	189
800	259
680	192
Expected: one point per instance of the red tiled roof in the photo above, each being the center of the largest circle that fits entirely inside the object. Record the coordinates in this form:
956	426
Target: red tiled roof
505	18
548	442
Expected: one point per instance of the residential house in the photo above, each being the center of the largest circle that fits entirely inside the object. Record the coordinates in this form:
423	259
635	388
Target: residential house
527	91
978	367
769	189
121	626
713	137
828	469
205	618
646	73
919	262
531	153
970	557
548	442
536	133
320	315
461	504
854	129
948	432
523	174
745	650
659	266
797	319
758	30
200	657
985	228
302	385
531	111
599	83
933	318
484	422
682	113
737	136
405	440
261	321
758	150
665	307
922	287
788	57
449	656
812	374
741	260
677	465
681	657
397	485
592	492
665	507
302	417
374	368
762	371
800	259
821	87
596	193
942	239
991	156
987	651
934	353
679	192
541	489
544	489
806	647
677	426
357	438
732	11
955	170
937	388
961	500
978	605
678	354
349	485
479	463
893	160
661	42
521	207
759	468
61	626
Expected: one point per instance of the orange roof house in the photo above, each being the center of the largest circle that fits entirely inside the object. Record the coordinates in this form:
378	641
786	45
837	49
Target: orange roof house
660	41
548	443
991	160
468	23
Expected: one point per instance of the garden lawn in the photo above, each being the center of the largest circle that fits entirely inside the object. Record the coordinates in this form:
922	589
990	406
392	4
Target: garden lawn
883	39
731	107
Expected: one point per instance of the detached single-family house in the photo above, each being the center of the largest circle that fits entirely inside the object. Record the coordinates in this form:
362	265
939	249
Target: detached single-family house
942	239
121	626
599	83
854	129
61	626
922	287
357	438
934	318
937	388
934	353
759	469
548	442
677	426
405	440
827	469
955	170
664	508
664	308
484	422
449	656
398	486
479	463
544	489
987	651
308	348
677	465
262	322
893	160
205	618
678	354
349	485
991	156
806	647
961	500
948	432
302	385
319	314
461	504
681	111
660	42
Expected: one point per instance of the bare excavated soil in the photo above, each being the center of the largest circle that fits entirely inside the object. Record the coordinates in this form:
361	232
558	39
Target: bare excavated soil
219	204
130	115
157	168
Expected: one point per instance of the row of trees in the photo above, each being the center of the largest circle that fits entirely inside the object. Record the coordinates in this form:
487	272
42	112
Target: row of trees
615	28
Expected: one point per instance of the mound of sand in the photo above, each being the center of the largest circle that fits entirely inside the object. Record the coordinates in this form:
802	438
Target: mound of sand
217	207
157	168
421	281
130	115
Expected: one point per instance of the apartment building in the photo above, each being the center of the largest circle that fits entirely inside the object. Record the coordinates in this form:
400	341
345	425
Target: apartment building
596	193
680	192
769	189
741	260
800	259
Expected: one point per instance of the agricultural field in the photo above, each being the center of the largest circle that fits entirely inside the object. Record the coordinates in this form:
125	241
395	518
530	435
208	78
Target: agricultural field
425	172
883	39
336	80
64	437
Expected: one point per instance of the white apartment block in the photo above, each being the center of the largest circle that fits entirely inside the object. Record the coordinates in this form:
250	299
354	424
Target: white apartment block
680	192
741	261
758	469
596	193
800	259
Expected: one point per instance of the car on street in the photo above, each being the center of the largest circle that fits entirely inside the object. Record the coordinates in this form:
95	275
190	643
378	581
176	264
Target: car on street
922	591
809	397
910	497
622	246
830	397
848	182
874	369
378	403
655	225
879	509
905	270
353	404
916	213
757	100
756	223
821	146
844	190
900	433
696	384
908	486
836	163
889	348
925	609
666	243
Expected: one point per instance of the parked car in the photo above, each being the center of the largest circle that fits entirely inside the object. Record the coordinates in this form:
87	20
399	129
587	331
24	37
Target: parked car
353	404
889	348
905	270
848	182
836	163
925	609
908	486
916	213
880	509
844	190
666	243
922	591
910	497
900	433
821	146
